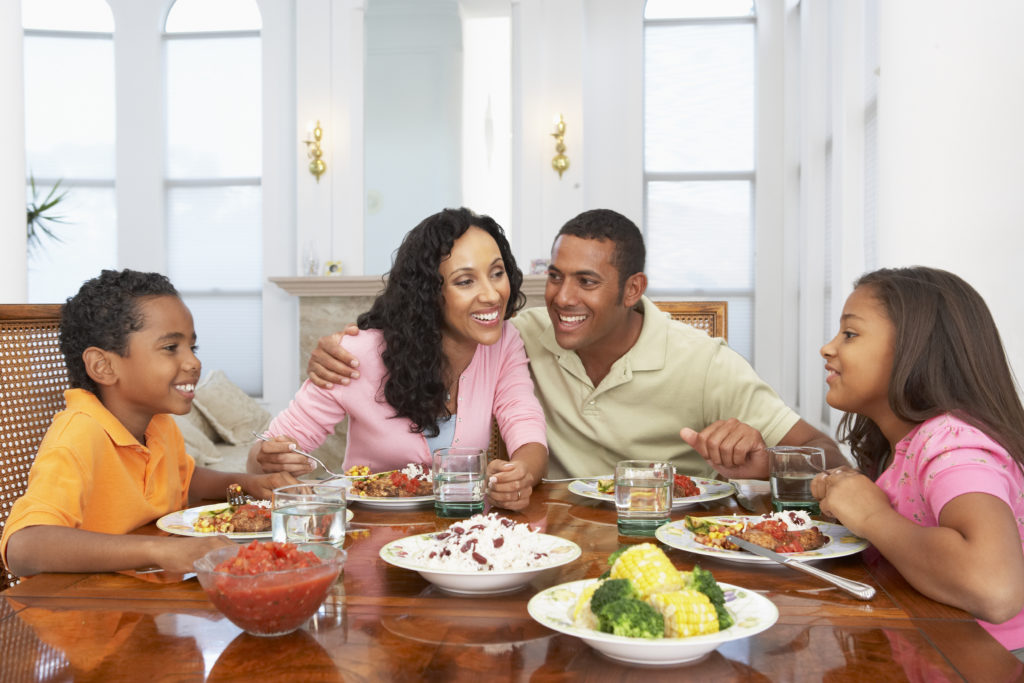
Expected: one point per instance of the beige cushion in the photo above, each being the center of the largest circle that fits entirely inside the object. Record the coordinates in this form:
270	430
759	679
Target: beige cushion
200	422
196	443
233	413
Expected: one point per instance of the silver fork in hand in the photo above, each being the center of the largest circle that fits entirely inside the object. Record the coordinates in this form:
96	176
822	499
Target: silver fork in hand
237	497
298	451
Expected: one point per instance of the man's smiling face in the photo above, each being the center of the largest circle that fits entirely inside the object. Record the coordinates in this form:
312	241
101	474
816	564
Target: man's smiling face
583	295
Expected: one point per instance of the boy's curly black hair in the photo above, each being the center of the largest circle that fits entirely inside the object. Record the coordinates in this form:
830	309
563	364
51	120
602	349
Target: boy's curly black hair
102	314
409	314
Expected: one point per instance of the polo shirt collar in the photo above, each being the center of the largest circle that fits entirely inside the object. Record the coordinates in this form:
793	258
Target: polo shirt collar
650	349
83	401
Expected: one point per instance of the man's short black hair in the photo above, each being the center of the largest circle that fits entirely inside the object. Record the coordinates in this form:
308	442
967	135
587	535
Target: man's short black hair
604	224
103	313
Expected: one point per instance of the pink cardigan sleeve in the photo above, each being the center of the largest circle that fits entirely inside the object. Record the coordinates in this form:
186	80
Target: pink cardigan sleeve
516	408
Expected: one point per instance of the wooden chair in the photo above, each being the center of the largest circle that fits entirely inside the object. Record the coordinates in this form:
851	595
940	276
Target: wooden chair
710	316
33	378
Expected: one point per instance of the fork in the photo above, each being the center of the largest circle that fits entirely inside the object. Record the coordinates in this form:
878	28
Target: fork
236	497
298	451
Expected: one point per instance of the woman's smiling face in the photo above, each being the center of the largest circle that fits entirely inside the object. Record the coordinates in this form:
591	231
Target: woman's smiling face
475	289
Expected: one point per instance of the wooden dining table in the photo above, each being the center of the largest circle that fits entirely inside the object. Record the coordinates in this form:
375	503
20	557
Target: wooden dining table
381	622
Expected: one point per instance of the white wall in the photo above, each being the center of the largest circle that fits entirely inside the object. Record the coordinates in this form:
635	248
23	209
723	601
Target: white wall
13	266
951	147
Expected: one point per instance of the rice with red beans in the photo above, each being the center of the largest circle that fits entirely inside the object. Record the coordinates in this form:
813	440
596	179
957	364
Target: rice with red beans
484	543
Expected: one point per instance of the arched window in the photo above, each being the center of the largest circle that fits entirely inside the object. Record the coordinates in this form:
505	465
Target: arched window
213	179
699	171
69	137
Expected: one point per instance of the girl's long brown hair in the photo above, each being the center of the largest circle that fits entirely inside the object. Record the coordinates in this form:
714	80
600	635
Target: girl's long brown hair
948	358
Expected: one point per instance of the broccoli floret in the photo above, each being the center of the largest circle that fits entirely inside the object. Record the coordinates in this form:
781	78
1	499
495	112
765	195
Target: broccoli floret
633	618
610	591
702	580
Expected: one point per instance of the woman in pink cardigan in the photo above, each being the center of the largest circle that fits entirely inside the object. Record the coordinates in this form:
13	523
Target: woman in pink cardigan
438	360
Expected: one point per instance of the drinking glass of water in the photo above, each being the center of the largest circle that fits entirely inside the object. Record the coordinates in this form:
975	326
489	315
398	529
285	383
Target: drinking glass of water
308	513
459	476
643	495
791	469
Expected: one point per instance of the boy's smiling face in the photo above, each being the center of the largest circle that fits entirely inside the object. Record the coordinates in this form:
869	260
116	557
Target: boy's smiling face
160	370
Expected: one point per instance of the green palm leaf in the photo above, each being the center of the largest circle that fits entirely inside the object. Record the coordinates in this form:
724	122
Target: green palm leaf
39	217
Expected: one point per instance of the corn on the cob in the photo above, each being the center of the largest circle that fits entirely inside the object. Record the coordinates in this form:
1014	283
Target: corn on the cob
650	570
687	613
582	615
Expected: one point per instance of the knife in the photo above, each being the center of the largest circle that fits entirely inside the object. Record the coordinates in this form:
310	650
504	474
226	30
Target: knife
859	590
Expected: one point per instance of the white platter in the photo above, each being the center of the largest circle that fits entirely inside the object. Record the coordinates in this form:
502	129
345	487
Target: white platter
182	523
400	553
751	612
840	541
710	489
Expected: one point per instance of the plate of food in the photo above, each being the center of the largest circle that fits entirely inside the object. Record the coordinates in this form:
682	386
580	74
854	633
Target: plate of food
685	491
408	487
481	555
792	533
238	522
648	612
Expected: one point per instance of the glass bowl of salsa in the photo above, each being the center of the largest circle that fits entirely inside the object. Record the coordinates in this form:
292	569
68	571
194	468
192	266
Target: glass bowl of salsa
268	588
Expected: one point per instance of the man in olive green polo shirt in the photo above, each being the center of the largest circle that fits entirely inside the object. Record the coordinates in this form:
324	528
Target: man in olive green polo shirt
618	379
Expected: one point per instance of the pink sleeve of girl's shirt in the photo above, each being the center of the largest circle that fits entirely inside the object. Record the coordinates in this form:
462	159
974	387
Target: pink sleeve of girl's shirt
516	408
959	459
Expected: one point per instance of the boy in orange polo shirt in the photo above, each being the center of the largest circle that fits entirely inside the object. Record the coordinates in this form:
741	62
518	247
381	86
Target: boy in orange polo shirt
115	460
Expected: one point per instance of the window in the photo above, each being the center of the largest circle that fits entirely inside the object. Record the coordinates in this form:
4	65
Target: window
69	137
699	169
213	179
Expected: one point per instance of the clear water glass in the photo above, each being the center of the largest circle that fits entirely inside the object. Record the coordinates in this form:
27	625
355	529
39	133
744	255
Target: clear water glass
459	476
308	513
643	495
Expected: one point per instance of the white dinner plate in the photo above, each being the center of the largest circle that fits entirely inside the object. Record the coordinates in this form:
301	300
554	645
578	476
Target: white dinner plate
182	523
401	553
710	489
751	612
840	541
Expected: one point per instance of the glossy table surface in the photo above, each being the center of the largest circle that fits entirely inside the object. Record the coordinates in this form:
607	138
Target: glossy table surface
386	623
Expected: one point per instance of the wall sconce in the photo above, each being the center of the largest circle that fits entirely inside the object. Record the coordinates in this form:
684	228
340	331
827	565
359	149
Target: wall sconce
317	166
561	162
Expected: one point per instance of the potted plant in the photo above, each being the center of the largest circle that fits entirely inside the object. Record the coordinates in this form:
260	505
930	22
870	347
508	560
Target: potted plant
41	214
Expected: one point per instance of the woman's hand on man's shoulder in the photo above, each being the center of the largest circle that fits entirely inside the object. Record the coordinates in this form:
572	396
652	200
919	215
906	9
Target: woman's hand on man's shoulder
331	363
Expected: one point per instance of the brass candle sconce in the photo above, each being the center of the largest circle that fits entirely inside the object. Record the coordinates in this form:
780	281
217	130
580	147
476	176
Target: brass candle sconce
561	162
317	165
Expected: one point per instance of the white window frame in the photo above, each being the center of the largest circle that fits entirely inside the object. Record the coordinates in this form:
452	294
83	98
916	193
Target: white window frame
748	176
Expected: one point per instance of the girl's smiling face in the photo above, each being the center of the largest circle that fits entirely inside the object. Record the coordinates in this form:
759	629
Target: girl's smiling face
859	359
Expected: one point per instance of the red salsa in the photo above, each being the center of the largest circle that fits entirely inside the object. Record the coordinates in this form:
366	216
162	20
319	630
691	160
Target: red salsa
684	487
271	604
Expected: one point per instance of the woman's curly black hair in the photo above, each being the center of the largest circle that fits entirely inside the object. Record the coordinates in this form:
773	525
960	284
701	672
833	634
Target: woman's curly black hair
103	313
409	314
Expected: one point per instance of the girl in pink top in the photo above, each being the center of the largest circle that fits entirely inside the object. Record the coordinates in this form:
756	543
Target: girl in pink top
438	359
934	420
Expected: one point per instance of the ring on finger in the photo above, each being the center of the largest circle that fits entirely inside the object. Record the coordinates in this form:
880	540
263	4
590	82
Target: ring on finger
519	494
